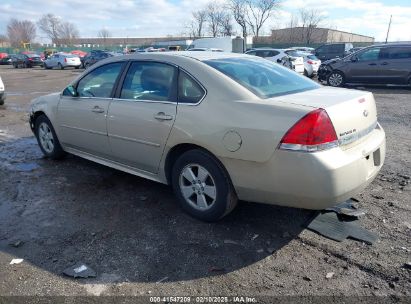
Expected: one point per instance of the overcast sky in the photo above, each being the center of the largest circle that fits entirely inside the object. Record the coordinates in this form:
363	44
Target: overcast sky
158	18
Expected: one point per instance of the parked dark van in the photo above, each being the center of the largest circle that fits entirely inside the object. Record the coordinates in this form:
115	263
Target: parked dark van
333	50
378	64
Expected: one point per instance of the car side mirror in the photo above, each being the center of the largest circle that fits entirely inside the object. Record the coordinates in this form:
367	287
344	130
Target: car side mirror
278	60
70	91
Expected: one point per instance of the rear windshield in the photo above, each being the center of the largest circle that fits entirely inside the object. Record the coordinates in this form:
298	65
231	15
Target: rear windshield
32	55
262	77
312	57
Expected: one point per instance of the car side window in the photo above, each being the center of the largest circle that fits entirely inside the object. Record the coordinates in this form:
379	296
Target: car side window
273	53
371	54
189	91
149	81
399	53
251	53
99	82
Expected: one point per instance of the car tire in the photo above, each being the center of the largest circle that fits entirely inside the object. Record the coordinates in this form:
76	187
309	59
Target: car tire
47	138
77	67
306	73
15	66
2	101
60	66
209	197
336	79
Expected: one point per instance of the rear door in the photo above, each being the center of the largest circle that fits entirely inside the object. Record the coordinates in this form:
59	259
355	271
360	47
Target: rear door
395	64
141	116
364	68
82	120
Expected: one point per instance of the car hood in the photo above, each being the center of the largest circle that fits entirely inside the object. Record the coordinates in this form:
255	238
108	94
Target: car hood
332	61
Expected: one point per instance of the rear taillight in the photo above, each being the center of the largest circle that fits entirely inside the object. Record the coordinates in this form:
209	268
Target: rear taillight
314	132
65	59
30	59
310	62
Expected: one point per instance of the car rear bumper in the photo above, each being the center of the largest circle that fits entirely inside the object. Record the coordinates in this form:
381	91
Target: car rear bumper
299	68
310	180
72	64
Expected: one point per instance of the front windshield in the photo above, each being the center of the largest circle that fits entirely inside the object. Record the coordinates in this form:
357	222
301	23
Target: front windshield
262	77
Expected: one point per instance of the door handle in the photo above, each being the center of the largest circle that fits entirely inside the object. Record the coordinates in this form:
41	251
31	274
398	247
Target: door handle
163	116
372	63
97	109
384	63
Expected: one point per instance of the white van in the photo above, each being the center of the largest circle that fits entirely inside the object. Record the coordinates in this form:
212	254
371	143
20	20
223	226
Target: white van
226	44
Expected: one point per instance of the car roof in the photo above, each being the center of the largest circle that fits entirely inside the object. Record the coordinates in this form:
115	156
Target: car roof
267	49
201	56
391	44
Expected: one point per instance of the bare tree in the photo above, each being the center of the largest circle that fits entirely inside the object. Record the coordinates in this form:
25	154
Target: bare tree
215	16
67	33
310	19
198	23
104	34
226	26
238	10
258	12
292	25
20	31
50	24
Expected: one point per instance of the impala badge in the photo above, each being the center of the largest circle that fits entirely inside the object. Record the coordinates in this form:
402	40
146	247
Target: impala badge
365	113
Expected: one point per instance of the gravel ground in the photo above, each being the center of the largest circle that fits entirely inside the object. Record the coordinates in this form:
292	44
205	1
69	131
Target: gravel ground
131	232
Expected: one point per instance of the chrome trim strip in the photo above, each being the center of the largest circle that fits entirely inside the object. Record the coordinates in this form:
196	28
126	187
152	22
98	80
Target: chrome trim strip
144	100
358	135
309	148
135	140
84	130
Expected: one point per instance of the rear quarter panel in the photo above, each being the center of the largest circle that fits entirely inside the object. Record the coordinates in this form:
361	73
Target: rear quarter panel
228	106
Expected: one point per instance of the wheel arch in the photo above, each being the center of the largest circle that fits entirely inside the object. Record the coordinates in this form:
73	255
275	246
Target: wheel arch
34	117
178	150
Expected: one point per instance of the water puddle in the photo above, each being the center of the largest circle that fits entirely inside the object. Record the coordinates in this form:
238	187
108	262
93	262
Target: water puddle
24	167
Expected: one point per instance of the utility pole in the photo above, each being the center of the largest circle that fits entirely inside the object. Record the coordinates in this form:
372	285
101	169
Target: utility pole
388	31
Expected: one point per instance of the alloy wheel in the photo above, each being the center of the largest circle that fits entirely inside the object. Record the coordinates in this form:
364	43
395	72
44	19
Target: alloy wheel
46	137
335	79
198	187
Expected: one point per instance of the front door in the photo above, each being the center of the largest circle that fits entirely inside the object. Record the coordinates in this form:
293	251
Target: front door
82	119
140	119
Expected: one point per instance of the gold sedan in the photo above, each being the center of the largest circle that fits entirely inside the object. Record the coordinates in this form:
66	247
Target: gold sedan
218	127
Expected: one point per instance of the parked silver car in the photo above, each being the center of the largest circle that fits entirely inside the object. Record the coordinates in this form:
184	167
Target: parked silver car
311	62
61	61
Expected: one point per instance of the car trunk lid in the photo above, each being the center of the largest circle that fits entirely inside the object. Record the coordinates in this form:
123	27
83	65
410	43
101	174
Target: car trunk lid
352	112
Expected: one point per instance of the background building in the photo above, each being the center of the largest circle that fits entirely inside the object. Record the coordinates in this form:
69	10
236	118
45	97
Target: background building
311	36
130	42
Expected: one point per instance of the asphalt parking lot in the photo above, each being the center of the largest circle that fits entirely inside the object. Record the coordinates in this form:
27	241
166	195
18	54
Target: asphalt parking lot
54	214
